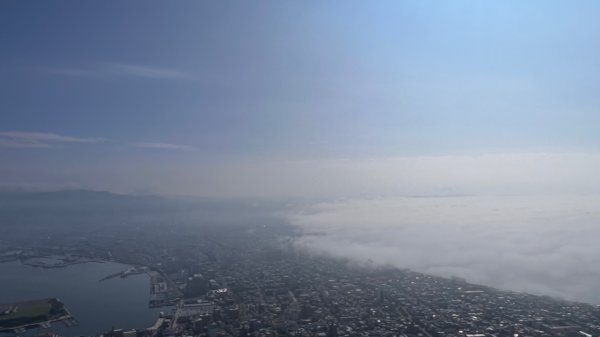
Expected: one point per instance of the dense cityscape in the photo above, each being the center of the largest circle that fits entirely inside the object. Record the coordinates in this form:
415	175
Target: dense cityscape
253	281
238	168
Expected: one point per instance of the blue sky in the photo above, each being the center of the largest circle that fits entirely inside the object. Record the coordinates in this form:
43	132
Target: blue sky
90	87
365	103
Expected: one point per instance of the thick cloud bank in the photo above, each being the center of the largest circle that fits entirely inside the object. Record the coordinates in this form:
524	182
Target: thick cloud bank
543	245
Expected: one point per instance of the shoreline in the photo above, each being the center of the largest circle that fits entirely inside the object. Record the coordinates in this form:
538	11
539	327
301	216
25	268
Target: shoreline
65	316
69	320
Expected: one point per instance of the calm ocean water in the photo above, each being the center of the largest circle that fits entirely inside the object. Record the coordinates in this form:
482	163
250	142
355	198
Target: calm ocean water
98	306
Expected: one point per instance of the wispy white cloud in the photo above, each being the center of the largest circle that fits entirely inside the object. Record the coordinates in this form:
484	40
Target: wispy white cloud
104	70
147	72
24	139
164	146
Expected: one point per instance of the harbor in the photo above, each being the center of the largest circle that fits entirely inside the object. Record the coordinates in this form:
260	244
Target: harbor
125	273
18	317
91	304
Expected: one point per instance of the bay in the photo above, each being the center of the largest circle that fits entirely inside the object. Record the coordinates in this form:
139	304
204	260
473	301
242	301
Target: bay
121	303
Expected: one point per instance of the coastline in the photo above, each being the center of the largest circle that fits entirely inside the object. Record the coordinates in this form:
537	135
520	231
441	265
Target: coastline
79	320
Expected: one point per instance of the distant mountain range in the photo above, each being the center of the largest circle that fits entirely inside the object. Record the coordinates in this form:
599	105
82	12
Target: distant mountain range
100	208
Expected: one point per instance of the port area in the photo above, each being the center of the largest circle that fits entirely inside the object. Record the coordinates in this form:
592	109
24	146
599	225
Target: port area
128	272
163	291
20	316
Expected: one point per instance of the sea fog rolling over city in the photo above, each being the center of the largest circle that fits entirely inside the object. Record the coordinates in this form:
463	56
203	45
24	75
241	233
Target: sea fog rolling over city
526	242
124	261
412	168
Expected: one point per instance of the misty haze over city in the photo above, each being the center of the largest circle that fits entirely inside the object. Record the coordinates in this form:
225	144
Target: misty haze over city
421	151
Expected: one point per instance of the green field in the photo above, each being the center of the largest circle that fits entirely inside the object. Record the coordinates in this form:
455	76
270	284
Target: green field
32	312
